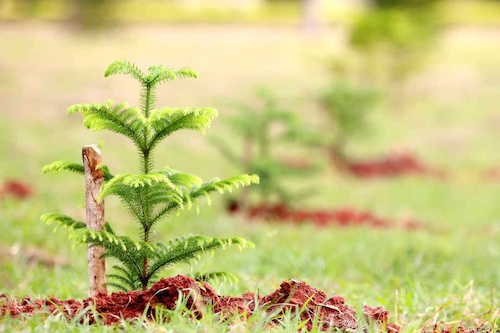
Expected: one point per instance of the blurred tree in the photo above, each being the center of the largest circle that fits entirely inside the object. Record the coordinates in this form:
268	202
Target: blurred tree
403	3
91	15
28	8
395	36
348	108
262	129
87	15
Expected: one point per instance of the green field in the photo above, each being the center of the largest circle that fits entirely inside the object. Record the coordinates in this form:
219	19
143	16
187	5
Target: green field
449	272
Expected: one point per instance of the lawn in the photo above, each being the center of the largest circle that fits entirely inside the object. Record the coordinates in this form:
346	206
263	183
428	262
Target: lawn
446	272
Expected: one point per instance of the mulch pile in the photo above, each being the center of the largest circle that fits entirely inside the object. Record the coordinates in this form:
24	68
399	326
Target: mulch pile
458	329
343	217
492	174
389	166
311	304
15	189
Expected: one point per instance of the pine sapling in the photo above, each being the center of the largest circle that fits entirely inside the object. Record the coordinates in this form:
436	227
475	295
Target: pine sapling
150	196
261	129
394	39
348	109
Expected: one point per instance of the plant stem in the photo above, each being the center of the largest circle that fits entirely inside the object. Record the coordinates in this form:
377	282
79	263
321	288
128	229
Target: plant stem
145	156
146	163
145	279
147	102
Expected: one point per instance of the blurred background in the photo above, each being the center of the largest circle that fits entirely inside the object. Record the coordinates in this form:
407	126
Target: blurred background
392	110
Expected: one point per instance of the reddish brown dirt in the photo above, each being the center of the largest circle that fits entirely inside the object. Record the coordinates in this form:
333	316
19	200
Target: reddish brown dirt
387	167
127	305
492	174
323	218
310	304
458	329
15	189
298	297
379	316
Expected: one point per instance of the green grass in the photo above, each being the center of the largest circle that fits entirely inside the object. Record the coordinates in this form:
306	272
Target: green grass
447	272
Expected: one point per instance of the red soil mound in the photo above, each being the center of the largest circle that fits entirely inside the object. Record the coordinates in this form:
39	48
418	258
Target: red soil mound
388	166
458	329
310	304
15	189
492	174
297	297
381	317
113	307
324	218
330	312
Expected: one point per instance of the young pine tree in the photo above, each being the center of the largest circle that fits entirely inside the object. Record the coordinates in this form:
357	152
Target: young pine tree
348	109
394	39
150	196
262	130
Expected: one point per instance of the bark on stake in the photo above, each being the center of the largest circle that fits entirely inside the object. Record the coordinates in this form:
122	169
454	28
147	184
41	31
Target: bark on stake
94	179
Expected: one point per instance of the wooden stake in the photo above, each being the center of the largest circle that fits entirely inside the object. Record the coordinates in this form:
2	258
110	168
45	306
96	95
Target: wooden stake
94	179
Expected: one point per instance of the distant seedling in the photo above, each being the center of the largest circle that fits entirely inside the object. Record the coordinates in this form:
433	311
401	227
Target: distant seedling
348	109
150	196
394	39
261	130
